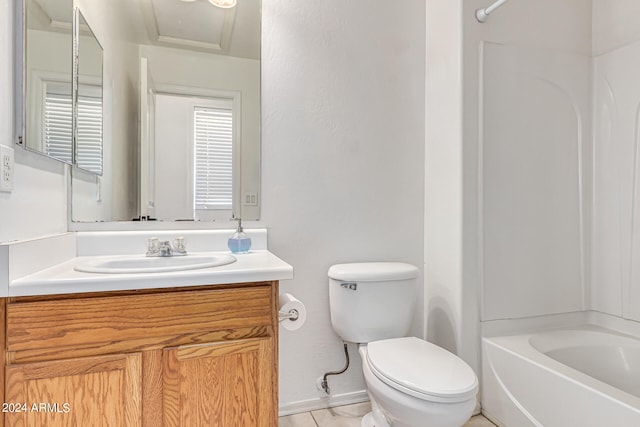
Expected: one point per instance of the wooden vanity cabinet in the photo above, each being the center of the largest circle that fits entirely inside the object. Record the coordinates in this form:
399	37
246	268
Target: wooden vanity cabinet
201	356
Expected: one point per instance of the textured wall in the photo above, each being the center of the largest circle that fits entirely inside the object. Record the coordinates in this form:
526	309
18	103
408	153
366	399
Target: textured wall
343	161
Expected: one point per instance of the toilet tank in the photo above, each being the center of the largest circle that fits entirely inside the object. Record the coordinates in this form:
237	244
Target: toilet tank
372	301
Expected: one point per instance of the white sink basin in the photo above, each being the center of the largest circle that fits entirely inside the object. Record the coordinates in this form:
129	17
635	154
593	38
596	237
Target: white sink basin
142	264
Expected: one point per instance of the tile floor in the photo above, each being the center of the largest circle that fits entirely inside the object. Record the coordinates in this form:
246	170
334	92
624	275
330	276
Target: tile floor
349	416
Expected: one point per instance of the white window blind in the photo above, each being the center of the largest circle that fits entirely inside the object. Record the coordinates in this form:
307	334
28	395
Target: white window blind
57	126
213	158
58	130
90	133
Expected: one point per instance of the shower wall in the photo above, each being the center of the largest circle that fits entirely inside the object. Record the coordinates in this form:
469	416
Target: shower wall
552	157
615	268
534	105
527	156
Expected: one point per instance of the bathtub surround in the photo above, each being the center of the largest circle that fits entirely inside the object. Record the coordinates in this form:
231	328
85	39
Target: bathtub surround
593	162
565	181
615	287
527	151
577	193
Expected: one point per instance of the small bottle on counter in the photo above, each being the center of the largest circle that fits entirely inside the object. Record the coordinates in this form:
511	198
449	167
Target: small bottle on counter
239	242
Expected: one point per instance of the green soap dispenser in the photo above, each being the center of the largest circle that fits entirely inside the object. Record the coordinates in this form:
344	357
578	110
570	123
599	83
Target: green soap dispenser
239	242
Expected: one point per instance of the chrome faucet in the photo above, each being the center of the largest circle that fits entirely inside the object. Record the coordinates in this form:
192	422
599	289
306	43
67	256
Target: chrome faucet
165	248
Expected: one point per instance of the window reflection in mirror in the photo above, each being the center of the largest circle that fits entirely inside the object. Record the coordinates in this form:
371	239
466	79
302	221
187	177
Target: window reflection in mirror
189	49
47	126
201	135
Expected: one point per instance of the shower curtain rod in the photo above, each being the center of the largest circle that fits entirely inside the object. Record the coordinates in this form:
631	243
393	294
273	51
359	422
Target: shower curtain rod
483	14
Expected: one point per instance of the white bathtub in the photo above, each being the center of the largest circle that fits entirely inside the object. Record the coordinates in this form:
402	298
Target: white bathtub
582	377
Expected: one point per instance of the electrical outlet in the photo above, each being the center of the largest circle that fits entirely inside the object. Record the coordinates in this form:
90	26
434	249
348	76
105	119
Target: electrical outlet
6	168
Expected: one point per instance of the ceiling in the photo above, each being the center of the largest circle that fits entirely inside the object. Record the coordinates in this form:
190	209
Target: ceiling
201	26
194	25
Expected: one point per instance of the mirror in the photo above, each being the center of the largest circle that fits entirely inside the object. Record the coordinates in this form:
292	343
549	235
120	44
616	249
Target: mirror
87	106
181	137
45	125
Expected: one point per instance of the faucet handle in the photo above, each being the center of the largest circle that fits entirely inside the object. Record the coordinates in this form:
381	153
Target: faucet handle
180	245
153	246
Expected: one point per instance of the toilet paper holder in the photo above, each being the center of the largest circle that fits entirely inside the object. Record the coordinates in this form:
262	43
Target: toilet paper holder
292	315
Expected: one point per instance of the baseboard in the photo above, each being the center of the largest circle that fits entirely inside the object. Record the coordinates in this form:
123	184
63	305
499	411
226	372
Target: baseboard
323	402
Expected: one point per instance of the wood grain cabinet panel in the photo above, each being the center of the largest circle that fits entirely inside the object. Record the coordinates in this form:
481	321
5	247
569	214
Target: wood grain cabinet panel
102	391
220	384
158	358
195	357
78	321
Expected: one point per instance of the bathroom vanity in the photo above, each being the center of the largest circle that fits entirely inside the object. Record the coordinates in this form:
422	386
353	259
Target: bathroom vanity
171	355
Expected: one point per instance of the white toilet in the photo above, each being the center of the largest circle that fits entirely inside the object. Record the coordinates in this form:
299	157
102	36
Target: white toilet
410	382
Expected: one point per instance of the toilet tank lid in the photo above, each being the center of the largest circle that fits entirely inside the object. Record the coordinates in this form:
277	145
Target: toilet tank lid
373	271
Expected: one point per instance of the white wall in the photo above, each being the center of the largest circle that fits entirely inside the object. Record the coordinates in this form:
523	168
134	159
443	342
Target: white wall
616	234
37	205
443	179
343	161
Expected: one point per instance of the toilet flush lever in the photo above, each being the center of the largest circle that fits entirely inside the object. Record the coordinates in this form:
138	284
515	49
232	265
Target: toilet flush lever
352	286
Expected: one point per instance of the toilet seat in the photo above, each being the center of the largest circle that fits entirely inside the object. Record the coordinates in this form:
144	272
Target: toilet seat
421	369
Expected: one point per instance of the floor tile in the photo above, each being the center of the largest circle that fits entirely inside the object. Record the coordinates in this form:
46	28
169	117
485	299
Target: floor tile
350	416
341	416
479	421
297	420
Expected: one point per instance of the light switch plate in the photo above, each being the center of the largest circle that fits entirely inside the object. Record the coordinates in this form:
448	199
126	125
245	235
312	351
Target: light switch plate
6	168
250	199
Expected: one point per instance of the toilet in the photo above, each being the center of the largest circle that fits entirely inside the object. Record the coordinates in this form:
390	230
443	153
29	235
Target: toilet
410	382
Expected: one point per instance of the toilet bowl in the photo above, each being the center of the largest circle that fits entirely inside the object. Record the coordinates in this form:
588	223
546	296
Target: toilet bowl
410	382
421	389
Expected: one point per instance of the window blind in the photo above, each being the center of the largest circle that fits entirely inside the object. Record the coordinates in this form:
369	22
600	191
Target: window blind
90	134
213	143
58	130
57	126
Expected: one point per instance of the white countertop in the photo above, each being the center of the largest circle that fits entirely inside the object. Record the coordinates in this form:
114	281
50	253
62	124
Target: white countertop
255	266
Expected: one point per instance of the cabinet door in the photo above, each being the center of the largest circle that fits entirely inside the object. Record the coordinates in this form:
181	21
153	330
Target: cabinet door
93	391
221	384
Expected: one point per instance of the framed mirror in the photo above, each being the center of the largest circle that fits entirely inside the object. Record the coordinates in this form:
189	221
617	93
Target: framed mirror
87	96
44	118
181	136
